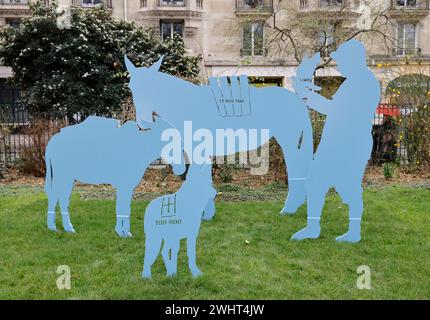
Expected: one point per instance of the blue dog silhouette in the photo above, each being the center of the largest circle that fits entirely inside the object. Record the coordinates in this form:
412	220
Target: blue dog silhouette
97	151
346	142
173	217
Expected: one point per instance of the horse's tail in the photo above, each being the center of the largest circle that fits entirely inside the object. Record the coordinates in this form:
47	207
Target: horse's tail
49	168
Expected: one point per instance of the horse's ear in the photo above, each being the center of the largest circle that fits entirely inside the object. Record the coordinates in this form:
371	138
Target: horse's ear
156	65
146	125
128	64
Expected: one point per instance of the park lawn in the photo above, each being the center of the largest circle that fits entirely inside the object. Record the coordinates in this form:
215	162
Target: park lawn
395	246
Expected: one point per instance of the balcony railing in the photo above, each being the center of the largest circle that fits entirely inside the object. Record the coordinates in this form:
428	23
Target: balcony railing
402	52
338	4
254	5
410	5
344	7
172	3
13	2
331	3
92	3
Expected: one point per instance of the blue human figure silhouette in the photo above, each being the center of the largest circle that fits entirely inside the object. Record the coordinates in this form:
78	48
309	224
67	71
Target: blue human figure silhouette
229	103
346	142
173	217
97	151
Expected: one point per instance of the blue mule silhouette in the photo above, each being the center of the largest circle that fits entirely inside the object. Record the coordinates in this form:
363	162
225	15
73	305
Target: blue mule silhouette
173	217
230	103
346	142
97	151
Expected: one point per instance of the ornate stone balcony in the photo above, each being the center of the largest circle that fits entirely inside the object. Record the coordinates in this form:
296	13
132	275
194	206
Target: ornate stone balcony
254	7
92	3
14	8
400	56
14	3
330	9
172	3
409	8
172	9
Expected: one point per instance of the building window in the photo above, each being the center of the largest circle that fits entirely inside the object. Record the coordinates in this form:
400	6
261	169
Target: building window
326	37
304	4
406	38
199	4
171	2
143	3
91	3
406	3
13	23
326	40
266	81
329	3
169	28
253	39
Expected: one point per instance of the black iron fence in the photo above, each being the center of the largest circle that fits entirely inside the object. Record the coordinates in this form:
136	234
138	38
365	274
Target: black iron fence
14	120
393	134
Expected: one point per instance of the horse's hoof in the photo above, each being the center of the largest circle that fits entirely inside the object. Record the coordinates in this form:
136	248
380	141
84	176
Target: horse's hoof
286	212
146	275
291	206
124	234
69	228
196	273
52	227
306	233
349	238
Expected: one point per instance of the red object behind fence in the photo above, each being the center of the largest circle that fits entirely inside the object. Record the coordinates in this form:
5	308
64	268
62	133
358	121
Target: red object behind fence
388	110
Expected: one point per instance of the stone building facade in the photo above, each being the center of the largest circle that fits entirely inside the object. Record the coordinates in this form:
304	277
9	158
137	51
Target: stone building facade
237	36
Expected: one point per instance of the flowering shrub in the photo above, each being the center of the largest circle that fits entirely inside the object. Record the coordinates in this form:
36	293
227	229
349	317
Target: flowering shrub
78	69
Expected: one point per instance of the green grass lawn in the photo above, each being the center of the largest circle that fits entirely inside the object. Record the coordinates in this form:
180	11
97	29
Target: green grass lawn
395	245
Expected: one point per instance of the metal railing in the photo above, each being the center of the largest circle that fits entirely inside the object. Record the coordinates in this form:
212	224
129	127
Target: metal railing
92	3
391	134
410	4
400	52
13	140
172	3
331	3
254	5
391	131
13	2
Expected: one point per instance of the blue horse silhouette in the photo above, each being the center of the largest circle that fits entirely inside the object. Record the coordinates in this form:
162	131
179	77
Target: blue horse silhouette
97	151
346	142
230	103
173	217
